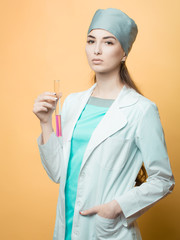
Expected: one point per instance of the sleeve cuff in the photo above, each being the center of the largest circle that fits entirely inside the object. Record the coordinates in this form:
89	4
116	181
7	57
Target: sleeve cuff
129	213
53	141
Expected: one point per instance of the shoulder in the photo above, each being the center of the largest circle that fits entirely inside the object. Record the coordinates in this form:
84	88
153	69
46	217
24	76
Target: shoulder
147	113
143	108
144	104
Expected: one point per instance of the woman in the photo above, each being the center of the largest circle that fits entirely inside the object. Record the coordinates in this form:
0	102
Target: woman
109	132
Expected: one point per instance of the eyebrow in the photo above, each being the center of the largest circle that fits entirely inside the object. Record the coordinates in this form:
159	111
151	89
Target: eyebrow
103	37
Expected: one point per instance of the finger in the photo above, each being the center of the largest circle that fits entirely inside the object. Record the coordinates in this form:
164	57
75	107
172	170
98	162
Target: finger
41	98
90	211
43	106
40	109
44	109
48	93
59	94
48	105
46	98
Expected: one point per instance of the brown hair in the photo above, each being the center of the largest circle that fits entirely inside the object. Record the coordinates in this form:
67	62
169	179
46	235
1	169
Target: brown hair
127	79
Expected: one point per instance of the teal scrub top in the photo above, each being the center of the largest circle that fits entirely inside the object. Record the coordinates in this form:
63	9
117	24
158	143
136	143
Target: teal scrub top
91	115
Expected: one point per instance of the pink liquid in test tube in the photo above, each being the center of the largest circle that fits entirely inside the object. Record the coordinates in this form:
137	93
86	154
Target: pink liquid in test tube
58	126
58	109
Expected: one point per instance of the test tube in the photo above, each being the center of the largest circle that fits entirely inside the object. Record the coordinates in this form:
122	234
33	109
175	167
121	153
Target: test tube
58	109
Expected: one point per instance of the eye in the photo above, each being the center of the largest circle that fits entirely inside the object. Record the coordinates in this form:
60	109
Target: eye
110	43
90	41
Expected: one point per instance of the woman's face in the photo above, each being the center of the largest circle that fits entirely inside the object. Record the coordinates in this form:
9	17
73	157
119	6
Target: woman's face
103	45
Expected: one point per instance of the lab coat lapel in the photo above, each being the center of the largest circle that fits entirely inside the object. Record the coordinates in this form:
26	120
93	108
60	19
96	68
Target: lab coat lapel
113	120
68	130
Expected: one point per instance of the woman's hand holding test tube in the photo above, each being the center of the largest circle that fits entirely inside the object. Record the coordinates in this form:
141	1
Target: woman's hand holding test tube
43	108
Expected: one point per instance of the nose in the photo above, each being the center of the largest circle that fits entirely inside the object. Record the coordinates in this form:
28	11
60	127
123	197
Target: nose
97	49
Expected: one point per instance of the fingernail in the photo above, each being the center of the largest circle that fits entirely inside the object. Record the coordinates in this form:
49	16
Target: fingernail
81	212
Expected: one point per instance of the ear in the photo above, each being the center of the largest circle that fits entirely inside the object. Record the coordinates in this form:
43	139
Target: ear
124	58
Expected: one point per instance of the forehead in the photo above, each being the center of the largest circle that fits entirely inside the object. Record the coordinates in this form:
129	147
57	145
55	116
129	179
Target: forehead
99	32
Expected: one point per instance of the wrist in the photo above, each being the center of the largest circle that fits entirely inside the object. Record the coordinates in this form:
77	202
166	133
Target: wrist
47	128
46	124
117	207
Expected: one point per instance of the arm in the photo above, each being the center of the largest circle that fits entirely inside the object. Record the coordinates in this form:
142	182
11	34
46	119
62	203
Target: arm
160	182
47	129
51	152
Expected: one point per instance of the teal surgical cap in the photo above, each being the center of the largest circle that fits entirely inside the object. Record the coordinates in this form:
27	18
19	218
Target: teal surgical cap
118	23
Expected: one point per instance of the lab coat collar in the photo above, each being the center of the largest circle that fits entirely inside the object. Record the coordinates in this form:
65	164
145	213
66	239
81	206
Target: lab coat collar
126	97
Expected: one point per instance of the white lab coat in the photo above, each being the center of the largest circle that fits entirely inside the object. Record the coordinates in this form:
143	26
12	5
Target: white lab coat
129	134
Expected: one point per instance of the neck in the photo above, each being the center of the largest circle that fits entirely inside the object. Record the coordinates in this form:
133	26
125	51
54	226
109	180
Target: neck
108	86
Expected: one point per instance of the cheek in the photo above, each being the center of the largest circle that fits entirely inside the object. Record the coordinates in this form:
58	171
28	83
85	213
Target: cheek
88	49
114	57
88	53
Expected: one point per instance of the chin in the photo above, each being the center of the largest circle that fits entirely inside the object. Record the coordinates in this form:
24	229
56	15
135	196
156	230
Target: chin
99	71
99	68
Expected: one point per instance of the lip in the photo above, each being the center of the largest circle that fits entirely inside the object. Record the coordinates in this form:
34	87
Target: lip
97	60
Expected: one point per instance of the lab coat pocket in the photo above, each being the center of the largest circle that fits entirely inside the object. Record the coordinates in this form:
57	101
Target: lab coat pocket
107	228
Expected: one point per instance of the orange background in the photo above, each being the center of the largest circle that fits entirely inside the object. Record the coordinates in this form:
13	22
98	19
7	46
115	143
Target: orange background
45	40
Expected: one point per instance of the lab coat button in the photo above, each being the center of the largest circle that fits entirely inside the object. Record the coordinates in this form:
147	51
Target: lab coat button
78	203
76	225
76	232
82	174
